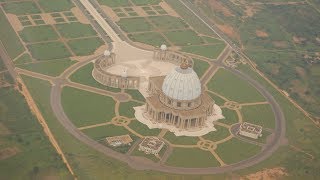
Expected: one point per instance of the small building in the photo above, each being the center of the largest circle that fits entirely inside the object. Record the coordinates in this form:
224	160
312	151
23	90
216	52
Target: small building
250	130
116	141
151	145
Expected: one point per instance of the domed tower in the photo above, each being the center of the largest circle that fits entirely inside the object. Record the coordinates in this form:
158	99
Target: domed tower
178	100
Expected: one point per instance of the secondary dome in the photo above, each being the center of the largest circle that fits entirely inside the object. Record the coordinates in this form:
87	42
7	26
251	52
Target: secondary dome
182	83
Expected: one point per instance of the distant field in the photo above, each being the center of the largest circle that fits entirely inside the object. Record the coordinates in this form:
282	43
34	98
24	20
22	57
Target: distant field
184	37
49	51
86	46
21	8
38	33
56	5
145	2
113	3
152	38
75	30
168	22
209	51
134	24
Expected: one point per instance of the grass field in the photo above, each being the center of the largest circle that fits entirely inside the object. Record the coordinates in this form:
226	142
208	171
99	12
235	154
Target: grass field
38	33
21	8
259	114
126	108
57	5
51	68
224	82
151	157
48	51
219	134
134	24
168	22
143	129
113	3
200	67
145	2
183	140
86	108
191	157
243	150
75	30
152	38
85	47
184	37
101	132
135	94
231	116
218	100
25	58
209	51
9	38
84	76
212	40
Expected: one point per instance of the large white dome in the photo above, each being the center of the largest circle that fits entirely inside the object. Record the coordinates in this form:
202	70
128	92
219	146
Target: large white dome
182	84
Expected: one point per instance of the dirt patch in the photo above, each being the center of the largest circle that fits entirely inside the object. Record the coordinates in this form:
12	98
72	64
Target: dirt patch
80	16
250	11
14	21
280	44
98	51
168	9
140	11
8	152
298	40
215	5
274	173
4	130
110	13
48	18
262	34
229	31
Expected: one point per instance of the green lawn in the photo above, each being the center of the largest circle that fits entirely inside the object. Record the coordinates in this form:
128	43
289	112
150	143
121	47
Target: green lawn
135	94
84	76
219	134
259	114
9	38
38	33
233	88
86	108
143	129
218	100
136	152
152	38
183	140
191	158
85	47
145	2
25	58
168	22
75	30
209	51
184	37
21	8
56	5
235	150
98	133
48	51
212	40
51	68
231	116
126	109
113	3
200	67
134	24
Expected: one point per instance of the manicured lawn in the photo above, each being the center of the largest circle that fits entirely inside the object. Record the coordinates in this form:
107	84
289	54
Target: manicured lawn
75	30
218	100
143	129
135	94
38	33
209	51
152	38
126	108
21	8
56	5
25	58
113	3
101	132
233	88
85	47
145	2
231	116
235	150
134	24
259	114
51	68
9	38
48	51
191	157
184	37
219	134
200	67
136	152
168	22
183	140
86	108
84	76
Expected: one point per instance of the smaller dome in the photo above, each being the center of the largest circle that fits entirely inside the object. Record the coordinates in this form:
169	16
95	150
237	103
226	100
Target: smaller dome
107	53
163	47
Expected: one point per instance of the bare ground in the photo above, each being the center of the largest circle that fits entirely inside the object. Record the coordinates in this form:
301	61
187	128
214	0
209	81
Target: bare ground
298	40
229	31
15	23
262	34
215	5
274	173
81	17
48	18
280	44
168	9
8	152
140	11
